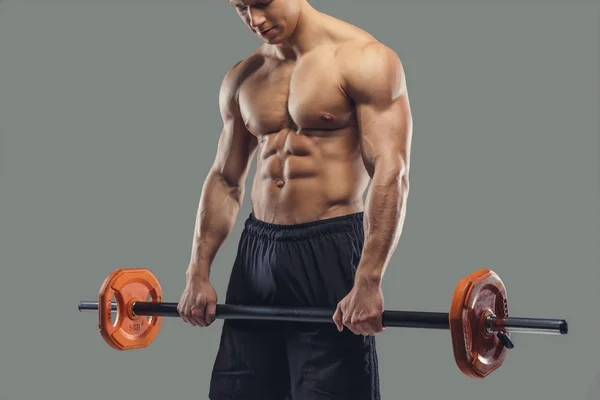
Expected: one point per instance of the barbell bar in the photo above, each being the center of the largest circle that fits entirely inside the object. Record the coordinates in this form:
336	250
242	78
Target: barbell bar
399	319
478	318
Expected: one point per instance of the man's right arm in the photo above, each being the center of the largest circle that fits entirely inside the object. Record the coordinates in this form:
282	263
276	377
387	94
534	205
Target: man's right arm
223	190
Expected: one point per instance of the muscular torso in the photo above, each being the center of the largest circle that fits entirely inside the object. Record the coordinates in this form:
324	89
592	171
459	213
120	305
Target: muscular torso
309	164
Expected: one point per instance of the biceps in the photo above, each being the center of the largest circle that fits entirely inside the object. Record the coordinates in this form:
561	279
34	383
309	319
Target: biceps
235	150
386	134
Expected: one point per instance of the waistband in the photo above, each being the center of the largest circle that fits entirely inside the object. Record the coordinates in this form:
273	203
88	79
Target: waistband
305	230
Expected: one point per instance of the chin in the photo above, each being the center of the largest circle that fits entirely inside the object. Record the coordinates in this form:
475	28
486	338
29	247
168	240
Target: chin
273	41
279	39
270	41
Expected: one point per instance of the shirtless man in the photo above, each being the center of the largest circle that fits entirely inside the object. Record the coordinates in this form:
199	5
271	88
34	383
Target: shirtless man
324	107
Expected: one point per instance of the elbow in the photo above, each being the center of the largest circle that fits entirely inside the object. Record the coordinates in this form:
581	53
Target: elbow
228	180
393	182
394	173
404	185
231	186
401	181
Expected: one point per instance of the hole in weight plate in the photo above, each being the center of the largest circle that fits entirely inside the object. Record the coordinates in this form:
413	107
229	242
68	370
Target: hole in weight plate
148	299
113	313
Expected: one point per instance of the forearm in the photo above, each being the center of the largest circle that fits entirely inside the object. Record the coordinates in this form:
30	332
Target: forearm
218	208
383	220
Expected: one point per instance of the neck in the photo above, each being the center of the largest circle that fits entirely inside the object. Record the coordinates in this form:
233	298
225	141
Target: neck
306	36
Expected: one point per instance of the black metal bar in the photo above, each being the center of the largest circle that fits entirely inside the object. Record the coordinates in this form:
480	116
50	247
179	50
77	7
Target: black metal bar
93	306
406	319
298	314
529	325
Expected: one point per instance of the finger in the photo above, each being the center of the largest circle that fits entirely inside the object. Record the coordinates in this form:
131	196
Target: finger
187	316
350	326
198	314
360	323
358	330
337	318
185	313
181	308
211	312
361	328
368	329
199	310
377	324
180	311
357	318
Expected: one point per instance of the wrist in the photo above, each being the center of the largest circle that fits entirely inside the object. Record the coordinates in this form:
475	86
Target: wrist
368	278
198	273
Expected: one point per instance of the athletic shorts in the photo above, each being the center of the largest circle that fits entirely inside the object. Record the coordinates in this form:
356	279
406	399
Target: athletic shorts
309	265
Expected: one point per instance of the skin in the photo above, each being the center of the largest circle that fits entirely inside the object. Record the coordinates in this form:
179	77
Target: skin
324	107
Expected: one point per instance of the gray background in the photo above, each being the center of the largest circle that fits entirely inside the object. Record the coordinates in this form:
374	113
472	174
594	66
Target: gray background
109	123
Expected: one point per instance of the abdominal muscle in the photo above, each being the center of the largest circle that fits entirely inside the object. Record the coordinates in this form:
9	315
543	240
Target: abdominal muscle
308	175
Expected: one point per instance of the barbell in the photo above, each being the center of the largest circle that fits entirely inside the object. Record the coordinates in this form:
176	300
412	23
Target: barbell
478	320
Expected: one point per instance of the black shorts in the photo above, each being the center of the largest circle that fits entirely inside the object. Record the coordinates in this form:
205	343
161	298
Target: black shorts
309	265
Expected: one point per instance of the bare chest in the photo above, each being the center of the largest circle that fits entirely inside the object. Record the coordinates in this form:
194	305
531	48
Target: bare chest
301	96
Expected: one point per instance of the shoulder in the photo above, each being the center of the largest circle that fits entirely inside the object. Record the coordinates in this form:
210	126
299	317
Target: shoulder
370	68
368	55
359	49
241	70
236	75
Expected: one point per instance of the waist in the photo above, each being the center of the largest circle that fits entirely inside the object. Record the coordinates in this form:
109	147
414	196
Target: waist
349	223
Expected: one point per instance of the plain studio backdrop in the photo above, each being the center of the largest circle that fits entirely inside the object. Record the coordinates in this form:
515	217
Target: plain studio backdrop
109	123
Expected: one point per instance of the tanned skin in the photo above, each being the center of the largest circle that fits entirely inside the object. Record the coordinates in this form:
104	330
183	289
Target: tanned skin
324	107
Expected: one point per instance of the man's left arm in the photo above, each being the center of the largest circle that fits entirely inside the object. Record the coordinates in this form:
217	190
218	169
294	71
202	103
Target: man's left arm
374	79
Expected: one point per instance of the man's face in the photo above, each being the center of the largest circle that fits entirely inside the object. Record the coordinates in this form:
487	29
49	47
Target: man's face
272	20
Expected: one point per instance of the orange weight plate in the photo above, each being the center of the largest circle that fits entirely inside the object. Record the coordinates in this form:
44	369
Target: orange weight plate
477	296
127	331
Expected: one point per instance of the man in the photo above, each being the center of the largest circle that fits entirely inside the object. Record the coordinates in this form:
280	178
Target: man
325	108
